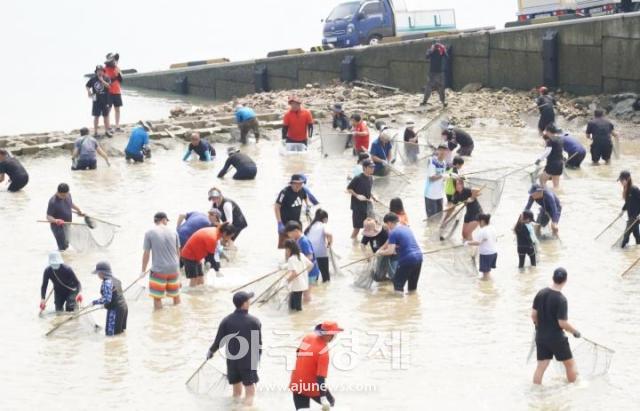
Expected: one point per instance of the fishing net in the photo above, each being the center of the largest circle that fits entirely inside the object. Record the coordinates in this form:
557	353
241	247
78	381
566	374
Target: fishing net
456	260
491	193
209	379
449	224
334	261
592	359
333	143
409	153
376	269
388	187
532	177
90	236
615	234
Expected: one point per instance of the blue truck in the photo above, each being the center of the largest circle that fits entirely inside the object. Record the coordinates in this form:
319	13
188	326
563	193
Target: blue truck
366	22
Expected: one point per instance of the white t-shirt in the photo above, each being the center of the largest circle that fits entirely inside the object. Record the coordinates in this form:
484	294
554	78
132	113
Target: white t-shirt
317	236
487	238
434	190
301	282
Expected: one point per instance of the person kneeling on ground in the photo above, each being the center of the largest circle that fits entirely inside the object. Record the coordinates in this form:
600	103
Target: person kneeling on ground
246	168
202	148
18	176
84	152
138	146
112	299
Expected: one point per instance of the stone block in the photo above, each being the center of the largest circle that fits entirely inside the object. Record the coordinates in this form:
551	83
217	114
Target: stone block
316	76
623	27
470	70
518	40
583	34
226	90
408	76
518	70
473	45
377	74
620	58
614	85
580	65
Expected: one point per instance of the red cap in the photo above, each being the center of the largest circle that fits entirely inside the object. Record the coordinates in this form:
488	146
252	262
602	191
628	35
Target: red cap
294	99
328	327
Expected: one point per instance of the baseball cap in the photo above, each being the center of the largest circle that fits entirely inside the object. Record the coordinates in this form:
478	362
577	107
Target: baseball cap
328	328
624	175
213	193
535	188
337	108
160	216
102	267
295	99
146	125
367	163
297	178
232	150
443	147
241	297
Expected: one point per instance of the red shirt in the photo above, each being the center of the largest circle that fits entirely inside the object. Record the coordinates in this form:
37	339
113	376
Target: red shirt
298	123
361	143
312	361
202	243
111	72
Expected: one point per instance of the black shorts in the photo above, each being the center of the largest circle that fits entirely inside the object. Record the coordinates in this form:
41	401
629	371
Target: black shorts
544	121
137	158
554	169
470	218
237	375
559	348
115	100
100	108
487	262
192	269
18	183
358	216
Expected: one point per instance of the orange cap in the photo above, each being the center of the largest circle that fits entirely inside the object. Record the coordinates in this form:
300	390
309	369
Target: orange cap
328	327
294	99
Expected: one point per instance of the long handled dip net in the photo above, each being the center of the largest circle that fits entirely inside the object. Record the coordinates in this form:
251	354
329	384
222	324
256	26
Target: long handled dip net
456	261
491	193
377	269
208	378
592	359
91	235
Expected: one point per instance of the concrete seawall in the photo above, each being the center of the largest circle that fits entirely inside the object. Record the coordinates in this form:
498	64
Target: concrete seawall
596	55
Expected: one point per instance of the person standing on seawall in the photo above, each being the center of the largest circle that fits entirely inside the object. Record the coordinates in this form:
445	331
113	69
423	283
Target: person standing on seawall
98	90
436	56
163	246
84	153
247	121
549	316
112	72
59	212
599	131
240	332
18	176
112	298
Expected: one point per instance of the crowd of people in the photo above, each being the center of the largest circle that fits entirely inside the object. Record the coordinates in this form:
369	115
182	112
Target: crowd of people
200	239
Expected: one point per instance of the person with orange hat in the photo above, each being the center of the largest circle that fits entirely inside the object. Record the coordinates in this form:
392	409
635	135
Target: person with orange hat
297	123
308	379
546	104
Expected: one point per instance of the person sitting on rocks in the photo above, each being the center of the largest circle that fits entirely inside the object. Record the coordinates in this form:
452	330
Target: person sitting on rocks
202	147
84	152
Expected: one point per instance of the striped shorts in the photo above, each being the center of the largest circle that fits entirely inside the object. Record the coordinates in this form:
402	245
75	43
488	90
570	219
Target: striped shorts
161	285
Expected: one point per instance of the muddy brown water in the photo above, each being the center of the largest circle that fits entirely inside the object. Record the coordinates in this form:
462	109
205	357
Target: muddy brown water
464	342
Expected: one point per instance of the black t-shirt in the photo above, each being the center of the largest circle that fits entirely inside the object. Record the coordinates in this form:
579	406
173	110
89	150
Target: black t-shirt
632	202
245	327
99	90
600	130
59	208
523	236
436	61
556	149
362	184
463	138
551	306
474	208
546	106
377	241
13	169
290	204
240	161
202	148
64	280
409	134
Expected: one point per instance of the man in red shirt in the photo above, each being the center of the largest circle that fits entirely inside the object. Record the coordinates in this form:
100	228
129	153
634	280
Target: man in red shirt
112	71
202	245
297	124
308	379
360	134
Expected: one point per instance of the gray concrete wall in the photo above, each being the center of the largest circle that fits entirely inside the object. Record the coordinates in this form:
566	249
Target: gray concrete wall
597	55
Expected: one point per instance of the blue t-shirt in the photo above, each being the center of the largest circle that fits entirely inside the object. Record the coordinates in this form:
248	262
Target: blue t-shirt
306	248
192	223
138	138
571	145
407	249
380	150
245	114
